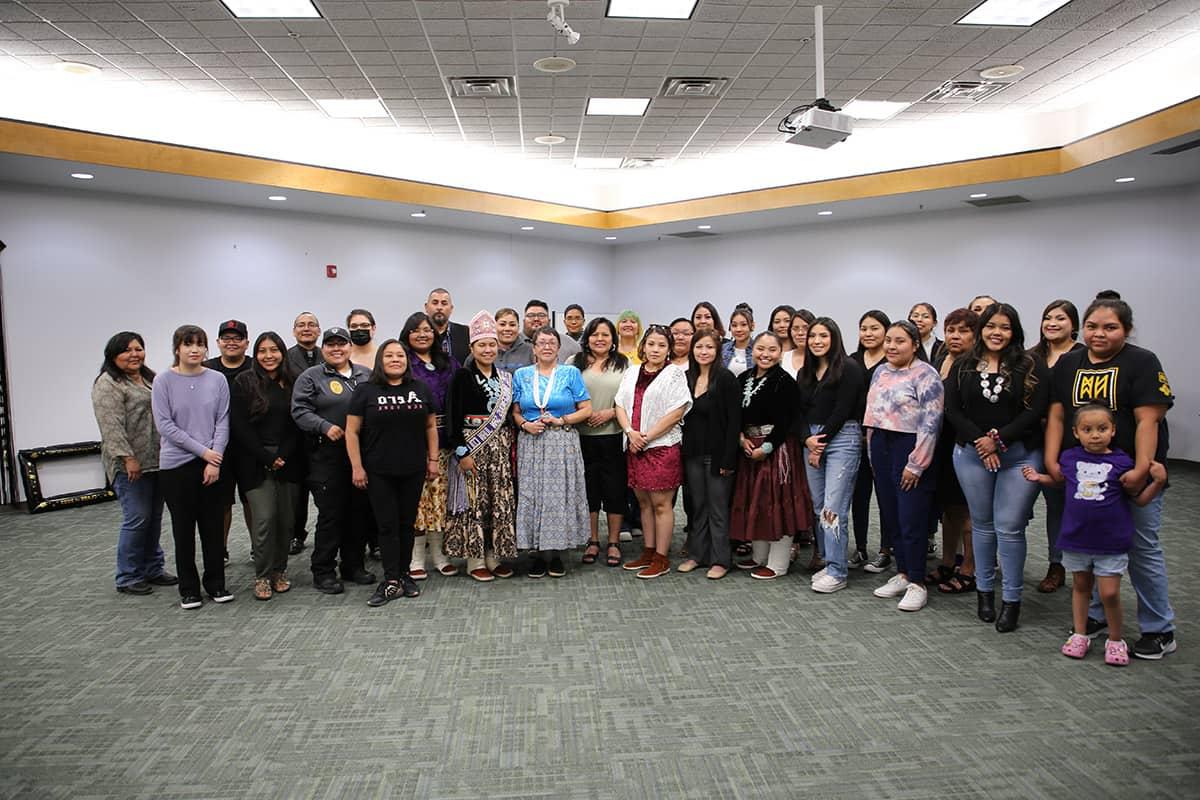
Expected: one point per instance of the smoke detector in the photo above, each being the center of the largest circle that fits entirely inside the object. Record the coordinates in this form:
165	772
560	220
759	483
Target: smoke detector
1001	73
550	139
554	64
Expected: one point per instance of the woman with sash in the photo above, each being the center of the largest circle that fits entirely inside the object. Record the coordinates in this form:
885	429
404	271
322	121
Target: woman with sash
481	502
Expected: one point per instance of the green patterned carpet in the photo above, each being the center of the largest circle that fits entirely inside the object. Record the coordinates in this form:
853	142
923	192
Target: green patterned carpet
593	686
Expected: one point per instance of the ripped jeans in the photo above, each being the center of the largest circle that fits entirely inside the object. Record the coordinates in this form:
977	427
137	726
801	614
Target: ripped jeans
832	489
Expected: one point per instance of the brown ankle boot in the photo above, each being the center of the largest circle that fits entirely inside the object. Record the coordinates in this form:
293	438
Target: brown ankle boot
1056	576
642	561
659	565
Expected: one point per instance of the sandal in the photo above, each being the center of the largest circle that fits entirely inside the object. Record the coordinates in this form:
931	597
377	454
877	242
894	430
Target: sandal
957	584
592	552
611	560
941	575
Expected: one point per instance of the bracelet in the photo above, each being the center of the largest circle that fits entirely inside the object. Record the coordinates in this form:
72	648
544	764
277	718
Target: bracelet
767	448
994	435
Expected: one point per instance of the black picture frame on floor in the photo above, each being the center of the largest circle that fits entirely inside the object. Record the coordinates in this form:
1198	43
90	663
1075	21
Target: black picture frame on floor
35	502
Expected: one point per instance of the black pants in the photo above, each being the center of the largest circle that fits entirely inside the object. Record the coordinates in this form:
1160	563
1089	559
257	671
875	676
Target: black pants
709	541
300	514
860	509
341	521
394	499
195	507
604	472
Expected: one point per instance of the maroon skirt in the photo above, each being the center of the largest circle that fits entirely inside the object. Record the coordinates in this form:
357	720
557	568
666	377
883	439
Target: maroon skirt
770	497
659	469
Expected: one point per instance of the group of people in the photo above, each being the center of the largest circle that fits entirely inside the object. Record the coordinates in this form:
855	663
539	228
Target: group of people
471	443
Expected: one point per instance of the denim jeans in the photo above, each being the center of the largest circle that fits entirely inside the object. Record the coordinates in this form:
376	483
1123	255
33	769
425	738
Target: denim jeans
832	489
1056	501
904	512
1147	572
139	555
1000	504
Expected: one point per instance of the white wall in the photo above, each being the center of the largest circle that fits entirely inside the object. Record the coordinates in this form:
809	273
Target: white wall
80	267
1143	244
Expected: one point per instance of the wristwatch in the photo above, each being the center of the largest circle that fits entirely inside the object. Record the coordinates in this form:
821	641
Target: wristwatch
460	451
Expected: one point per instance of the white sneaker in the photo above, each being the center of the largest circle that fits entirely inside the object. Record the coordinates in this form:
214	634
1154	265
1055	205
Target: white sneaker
821	573
626	536
914	598
827	584
893	588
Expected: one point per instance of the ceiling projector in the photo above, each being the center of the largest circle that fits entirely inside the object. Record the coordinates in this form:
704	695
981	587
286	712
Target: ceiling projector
817	127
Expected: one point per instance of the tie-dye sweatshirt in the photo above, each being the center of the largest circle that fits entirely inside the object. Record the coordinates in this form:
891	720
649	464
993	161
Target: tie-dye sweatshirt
908	400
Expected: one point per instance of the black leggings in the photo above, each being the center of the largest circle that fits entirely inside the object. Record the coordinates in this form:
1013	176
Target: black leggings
394	499
195	507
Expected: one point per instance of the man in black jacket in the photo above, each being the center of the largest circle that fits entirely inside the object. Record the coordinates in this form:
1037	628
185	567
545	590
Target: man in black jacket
453	338
302	355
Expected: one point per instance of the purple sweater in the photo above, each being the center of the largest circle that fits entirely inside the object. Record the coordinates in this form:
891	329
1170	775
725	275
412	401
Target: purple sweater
192	415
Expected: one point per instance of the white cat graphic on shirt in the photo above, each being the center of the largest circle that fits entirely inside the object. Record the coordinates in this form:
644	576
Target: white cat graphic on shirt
1091	479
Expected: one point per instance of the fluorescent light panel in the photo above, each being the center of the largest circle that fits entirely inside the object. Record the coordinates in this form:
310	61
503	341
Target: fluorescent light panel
651	9
272	9
874	109
1017	13
353	109
598	163
617	106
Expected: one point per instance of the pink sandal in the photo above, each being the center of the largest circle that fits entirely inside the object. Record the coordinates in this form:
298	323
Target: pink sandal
1077	646
1116	653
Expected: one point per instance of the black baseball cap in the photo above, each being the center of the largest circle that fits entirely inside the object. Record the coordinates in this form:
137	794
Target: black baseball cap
233	326
334	333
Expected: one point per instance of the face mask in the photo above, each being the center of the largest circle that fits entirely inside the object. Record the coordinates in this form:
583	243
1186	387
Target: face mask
360	337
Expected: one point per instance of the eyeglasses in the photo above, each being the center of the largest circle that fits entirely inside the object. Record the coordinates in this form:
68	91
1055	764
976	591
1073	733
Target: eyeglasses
536	315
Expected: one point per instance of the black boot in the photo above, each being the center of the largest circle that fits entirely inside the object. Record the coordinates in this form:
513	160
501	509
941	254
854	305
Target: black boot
987	606
1009	614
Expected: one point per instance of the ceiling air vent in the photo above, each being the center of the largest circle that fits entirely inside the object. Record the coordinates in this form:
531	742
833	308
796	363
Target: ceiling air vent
964	91
692	234
693	87
486	87
1179	148
643	163
1007	200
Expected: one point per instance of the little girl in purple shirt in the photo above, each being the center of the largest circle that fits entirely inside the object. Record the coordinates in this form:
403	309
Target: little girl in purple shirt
1097	526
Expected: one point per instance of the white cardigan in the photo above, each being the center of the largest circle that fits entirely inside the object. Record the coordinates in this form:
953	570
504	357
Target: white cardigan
667	392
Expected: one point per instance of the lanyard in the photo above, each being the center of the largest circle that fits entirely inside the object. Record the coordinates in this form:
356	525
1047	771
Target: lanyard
538	400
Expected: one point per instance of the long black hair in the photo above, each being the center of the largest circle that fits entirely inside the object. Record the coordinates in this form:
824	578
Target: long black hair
879	317
616	362
117	345
438	356
377	375
714	369
718	326
1013	357
1042	348
836	356
255	381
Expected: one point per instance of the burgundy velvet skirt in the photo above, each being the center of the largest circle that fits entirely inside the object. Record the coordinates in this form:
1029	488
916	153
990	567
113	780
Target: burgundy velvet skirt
770	497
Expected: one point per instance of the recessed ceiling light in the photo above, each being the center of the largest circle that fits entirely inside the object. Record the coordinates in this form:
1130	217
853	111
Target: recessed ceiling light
1002	72
874	109
704	227
651	9
278	198
272	9
610	238
979	195
1019	13
82	176
418	214
353	109
551	139
77	68
824	213
1125	180
554	64
598	163
526	227
617	106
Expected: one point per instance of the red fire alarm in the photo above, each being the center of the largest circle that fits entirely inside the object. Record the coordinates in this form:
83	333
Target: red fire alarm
331	270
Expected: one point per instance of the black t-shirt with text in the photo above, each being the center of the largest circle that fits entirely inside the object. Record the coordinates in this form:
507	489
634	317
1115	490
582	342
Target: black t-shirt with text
1133	377
394	418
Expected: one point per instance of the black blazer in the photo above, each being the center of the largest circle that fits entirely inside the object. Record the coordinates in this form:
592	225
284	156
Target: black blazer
460	341
251	458
723	426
